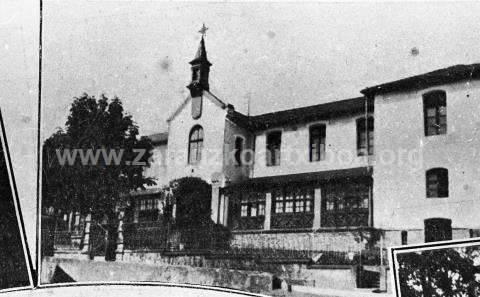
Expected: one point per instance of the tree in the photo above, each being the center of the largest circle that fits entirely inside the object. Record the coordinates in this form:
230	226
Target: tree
94	163
444	272
192	198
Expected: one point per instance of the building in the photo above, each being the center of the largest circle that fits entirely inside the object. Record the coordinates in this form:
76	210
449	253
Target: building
400	161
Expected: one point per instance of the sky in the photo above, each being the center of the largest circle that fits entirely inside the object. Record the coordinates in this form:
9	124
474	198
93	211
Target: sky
274	55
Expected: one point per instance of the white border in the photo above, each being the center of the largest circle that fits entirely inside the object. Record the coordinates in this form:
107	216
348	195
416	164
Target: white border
150	284
16	203
436	245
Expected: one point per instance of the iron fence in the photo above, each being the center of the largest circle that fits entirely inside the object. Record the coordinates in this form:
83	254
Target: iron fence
145	236
161	237
265	247
64	240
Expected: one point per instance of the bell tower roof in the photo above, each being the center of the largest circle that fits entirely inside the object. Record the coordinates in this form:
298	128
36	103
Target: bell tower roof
200	68
201	55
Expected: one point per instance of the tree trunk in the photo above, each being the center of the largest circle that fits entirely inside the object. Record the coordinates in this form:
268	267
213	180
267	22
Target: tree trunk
426	287
111	238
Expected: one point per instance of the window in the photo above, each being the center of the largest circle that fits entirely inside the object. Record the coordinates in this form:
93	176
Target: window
238	150
252	205
317	143
274	140
195	145
345	204
404	237
435	112
437	183
147	209
279	204
299	200
437	229
364	138
196	75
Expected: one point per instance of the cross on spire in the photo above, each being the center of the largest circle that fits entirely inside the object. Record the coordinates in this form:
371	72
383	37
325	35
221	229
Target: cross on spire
203	30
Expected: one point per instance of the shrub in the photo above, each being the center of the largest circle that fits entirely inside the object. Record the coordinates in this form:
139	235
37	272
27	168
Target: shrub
192	197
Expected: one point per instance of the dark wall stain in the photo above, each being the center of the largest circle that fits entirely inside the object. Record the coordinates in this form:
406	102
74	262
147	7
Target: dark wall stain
271	34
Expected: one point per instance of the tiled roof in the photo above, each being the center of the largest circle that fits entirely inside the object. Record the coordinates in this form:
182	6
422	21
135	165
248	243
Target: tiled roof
308	177
437	77
300	115
159	138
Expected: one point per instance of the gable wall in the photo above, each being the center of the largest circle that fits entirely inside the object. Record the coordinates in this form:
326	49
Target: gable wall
212	121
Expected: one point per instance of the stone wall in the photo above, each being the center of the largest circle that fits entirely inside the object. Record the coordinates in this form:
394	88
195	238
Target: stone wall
288	272
88	271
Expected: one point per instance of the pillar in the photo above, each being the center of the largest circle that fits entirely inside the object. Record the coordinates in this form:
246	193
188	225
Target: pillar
70	218
86	234
383	286
215	203
221	209
76	224
120	246
160	207
268	211
136	201
370	207
317	208
225	210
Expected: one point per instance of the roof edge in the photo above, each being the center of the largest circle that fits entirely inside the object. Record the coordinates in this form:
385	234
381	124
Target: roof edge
429	79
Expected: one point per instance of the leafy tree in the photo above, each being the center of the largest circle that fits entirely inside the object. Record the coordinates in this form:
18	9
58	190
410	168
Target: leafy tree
445	272
114	157
192	198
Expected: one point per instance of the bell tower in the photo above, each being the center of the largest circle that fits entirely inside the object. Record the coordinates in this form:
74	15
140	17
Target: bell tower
200	68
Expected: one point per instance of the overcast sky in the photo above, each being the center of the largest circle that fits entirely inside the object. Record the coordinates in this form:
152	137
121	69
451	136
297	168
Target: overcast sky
278	56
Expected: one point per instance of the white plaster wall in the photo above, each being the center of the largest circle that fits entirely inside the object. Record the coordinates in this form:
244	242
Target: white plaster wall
341	149
212	121
399	182
234	173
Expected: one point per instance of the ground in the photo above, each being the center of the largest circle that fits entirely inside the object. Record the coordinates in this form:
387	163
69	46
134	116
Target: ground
283	293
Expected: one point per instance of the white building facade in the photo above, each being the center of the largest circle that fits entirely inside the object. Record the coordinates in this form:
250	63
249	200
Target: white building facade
402	158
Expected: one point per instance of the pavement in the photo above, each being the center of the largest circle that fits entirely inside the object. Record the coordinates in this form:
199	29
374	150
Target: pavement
301	291
283	293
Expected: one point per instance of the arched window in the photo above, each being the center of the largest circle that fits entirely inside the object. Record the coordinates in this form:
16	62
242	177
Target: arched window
238	150
435	112
195	145
437	183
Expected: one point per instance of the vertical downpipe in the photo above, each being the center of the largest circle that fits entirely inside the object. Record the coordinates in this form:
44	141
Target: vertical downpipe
366	129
